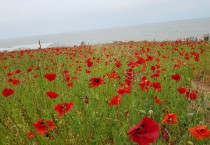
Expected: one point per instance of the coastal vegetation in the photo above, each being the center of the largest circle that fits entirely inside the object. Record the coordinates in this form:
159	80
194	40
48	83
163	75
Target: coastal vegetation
111	94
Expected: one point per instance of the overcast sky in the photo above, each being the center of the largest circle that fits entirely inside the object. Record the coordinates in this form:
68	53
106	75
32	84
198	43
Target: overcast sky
20	18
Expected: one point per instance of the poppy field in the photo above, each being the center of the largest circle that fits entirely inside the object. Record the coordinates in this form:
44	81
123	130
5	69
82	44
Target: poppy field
122	93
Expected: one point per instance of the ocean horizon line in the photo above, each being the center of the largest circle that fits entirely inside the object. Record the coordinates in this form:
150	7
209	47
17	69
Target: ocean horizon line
170	30
105	28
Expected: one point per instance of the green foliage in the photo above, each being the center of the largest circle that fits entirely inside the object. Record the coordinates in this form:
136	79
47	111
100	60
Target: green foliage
98	122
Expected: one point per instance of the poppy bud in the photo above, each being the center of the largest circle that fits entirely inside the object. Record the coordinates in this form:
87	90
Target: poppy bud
150	112
142	111
201	122
190	114
190	143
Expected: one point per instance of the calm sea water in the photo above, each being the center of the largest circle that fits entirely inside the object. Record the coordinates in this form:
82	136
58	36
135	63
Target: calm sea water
157	31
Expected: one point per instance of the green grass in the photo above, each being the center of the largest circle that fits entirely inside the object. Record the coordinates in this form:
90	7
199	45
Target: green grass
97	122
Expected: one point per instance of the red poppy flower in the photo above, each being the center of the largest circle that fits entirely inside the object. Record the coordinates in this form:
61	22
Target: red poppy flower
182	90
200	132
88	71
30	135
157	86
128	82
67	77
7	92
89	62
132	64
144	84
15	82
65	71
113	75
165	133
170	118
144	133
149	58
118	64
63	108
157	100
17	71
70	84
42	125
50	77
122	91
129	73
116	100
9	74
5	66
86	100
10	80
191	95
197	58
153	68
157	65
187	56
94	82
52	95
29	69
176	77
177	66
155	74
141	61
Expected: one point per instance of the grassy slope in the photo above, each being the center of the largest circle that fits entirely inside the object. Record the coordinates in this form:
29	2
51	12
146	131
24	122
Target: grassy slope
98	122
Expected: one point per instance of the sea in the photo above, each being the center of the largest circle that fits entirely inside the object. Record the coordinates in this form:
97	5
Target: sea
163	31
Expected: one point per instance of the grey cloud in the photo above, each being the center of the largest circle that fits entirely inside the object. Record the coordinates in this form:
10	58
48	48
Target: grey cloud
33	17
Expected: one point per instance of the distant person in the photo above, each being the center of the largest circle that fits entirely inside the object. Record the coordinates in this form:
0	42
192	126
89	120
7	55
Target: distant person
40	45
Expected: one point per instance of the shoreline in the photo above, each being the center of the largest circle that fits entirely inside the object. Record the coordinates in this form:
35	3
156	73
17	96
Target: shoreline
60	45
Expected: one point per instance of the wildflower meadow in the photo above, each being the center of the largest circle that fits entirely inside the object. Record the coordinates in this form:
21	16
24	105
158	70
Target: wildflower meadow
123	93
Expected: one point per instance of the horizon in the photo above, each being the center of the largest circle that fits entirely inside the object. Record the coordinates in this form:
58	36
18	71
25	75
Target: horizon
162	31
106	28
